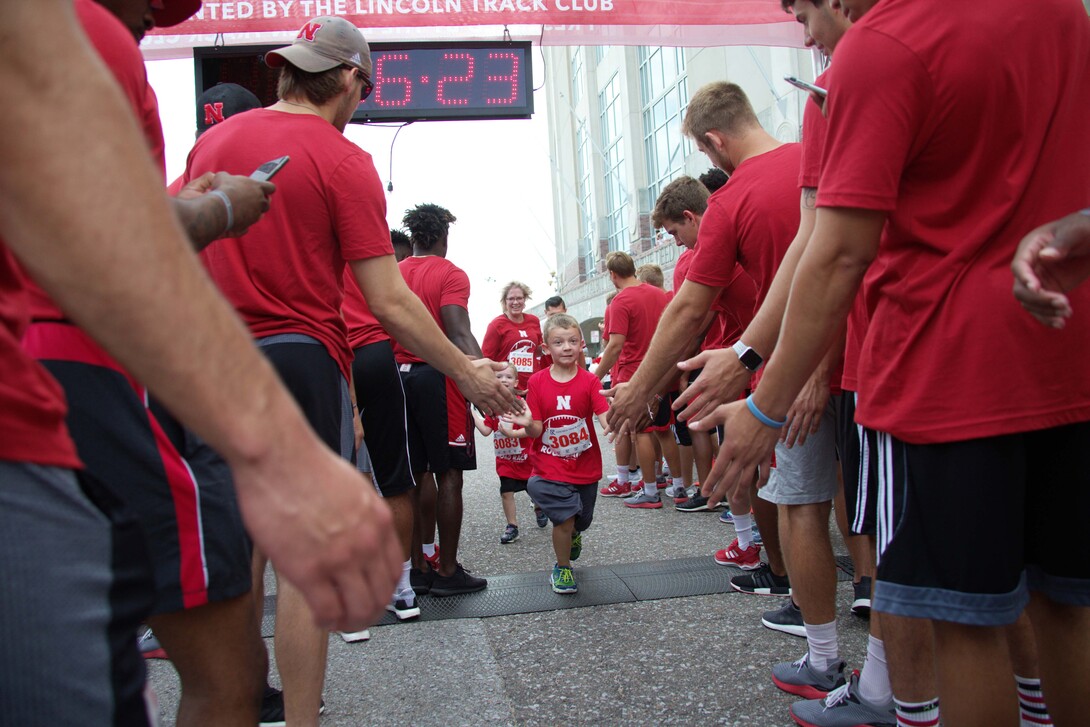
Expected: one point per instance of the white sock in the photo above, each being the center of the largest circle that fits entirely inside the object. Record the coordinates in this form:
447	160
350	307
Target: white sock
743	528
874	679
824	650
650	489
429	550
404	586
679	483
622	475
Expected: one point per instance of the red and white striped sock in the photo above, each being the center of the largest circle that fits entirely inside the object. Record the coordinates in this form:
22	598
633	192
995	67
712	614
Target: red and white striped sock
917	714
1031	703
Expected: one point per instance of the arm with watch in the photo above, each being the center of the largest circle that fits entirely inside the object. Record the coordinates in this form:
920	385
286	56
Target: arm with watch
727	371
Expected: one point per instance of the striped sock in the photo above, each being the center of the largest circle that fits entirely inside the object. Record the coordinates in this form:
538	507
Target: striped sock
917	714
1031	703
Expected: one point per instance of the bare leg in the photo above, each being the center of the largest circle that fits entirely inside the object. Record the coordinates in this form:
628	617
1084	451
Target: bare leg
300	655
910	655
1063	643
669	448
508	501
449	519
645	450
685	454
425	496
220	659
976	681
768	522
402	507
562	535
703	446
861	552
810	561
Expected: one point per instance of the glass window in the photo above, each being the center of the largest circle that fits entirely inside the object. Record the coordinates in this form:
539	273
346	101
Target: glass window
665	92
616	195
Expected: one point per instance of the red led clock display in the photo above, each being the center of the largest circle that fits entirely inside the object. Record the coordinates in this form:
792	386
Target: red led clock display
432	81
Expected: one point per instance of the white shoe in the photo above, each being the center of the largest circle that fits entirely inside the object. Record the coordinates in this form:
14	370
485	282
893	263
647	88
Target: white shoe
353	637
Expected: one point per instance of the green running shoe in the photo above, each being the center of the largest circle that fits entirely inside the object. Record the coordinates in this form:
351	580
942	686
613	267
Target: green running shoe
564	580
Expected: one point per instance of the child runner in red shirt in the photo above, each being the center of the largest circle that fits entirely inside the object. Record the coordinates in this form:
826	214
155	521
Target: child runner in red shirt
512	457
567	462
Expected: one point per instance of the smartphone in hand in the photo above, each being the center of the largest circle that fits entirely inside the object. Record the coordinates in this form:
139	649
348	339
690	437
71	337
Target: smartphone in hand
269	169
806	85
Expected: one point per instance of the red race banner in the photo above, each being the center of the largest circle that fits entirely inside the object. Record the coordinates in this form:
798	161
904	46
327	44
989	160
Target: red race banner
250	16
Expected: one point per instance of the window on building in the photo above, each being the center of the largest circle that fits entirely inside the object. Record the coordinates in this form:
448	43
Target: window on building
600	53
584	167
577	80
664	93
616	196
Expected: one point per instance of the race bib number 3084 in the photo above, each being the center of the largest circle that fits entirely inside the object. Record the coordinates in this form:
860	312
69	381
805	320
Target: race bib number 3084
568	441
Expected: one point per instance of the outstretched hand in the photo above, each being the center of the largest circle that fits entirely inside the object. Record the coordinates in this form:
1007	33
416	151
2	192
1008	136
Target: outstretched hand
722	381
747	448
1050	261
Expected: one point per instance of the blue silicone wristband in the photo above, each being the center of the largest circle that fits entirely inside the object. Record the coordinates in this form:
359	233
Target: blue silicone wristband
761	416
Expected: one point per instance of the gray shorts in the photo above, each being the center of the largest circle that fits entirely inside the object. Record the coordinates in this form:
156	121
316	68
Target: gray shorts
561	501
807	474
71	557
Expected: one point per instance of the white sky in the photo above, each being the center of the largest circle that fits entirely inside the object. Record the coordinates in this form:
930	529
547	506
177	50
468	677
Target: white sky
493	175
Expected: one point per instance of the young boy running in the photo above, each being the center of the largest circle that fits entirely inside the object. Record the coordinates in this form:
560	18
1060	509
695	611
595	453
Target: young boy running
567	463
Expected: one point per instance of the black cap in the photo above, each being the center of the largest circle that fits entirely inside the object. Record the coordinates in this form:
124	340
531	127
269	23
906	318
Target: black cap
221	102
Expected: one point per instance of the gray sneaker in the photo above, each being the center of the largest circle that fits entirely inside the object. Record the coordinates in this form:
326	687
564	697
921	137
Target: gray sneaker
644	501
798	677
844	707
787	619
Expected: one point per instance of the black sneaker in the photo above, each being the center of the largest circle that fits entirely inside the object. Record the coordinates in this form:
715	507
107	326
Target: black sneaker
542	518
787	619
404	608
421	581
458	582
272	708
762	582
861	602
697	503
510	534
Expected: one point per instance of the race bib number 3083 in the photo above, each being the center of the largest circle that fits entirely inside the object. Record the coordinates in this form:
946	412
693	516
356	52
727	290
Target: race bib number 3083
568	441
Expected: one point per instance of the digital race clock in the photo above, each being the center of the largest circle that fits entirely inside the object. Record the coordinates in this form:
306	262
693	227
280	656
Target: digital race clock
413	81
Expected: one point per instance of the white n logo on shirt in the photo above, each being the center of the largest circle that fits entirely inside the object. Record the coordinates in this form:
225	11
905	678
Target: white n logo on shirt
523	334
563	403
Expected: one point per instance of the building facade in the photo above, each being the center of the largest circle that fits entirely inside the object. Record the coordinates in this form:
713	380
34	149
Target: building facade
615	117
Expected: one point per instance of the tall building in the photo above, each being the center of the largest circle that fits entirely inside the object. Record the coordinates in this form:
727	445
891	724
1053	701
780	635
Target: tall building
615	117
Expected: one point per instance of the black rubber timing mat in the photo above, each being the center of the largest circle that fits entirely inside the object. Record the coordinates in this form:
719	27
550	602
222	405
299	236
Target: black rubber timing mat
598	586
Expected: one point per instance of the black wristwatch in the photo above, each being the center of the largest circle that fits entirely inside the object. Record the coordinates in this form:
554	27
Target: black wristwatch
749	358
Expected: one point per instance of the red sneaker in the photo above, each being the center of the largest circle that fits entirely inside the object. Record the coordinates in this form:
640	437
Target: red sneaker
616	489
748	559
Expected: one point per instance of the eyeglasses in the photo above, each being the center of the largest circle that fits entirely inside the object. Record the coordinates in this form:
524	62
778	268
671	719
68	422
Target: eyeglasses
368	87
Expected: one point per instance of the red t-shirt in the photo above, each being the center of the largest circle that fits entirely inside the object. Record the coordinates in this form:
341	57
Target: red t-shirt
567	450
519	343
681	267
750	220
967	148
634	314
734	306
285	275
512	453
436	282
363	327
32	406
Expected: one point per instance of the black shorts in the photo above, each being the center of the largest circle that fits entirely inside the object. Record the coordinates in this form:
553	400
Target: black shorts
967	529
178	488
510	484
560	501
77	583
663	416
435	417
681	430
859	464
381	399
317	384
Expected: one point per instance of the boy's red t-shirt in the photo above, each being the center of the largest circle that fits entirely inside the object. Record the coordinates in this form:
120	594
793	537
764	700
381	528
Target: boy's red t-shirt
567	450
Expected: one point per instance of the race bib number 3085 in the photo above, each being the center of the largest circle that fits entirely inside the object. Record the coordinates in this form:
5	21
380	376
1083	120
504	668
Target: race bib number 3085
523	361
568	441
